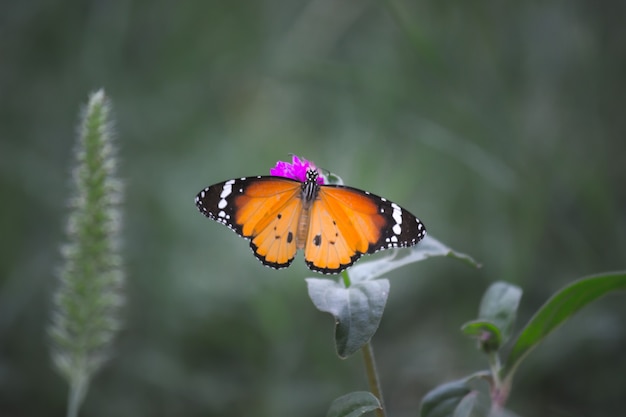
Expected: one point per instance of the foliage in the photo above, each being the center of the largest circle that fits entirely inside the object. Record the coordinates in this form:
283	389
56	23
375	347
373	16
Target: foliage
357	300
496	318
499	125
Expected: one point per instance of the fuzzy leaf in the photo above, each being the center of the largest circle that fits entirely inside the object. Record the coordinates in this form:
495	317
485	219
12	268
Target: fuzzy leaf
427	248
354	404
357	310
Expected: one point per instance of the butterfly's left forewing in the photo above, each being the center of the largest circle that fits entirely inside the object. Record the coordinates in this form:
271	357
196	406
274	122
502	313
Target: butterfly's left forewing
264	210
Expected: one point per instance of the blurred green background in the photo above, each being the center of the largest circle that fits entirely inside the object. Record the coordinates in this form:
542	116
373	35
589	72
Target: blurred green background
500	124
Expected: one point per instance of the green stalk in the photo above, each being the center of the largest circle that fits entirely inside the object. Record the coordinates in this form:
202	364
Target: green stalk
346	279
500	389
372	377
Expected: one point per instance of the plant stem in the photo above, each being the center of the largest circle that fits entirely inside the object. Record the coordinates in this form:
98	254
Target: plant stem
494	364
77	391
346	279
372	376
500	390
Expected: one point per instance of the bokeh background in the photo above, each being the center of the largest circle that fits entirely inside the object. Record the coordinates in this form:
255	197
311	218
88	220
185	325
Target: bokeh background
500	124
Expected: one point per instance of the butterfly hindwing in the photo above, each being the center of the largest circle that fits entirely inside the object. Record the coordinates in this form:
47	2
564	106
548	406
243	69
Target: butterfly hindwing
331	240
347	222
264	210
275	243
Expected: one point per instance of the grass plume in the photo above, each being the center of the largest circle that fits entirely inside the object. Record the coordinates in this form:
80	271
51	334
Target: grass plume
87	301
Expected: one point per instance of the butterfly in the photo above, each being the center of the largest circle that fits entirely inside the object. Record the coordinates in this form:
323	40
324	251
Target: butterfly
333	224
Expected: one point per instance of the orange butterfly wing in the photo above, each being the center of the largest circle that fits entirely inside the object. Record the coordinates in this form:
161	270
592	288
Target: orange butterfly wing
346	223
264	210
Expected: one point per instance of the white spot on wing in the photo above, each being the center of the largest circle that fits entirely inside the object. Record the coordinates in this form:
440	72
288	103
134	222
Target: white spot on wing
397	213
227	189
397	217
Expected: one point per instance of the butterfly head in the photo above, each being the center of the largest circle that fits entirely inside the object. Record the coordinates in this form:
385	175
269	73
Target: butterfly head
312	175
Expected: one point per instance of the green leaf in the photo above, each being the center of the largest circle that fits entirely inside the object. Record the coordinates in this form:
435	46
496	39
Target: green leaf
332	178
474	404
353	404
427	248
502	412
357	310
477	403
559	308
485	332
445	400
499	306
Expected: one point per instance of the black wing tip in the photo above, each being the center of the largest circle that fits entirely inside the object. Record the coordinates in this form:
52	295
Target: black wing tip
405	239
198	200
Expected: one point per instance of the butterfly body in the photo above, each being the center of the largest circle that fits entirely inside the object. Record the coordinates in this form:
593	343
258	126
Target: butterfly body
333	224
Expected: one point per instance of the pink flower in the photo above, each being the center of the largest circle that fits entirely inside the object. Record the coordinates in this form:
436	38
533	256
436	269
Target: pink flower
295	170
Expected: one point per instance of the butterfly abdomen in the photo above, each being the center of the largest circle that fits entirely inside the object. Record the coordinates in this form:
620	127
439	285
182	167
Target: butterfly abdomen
309	194
303	226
